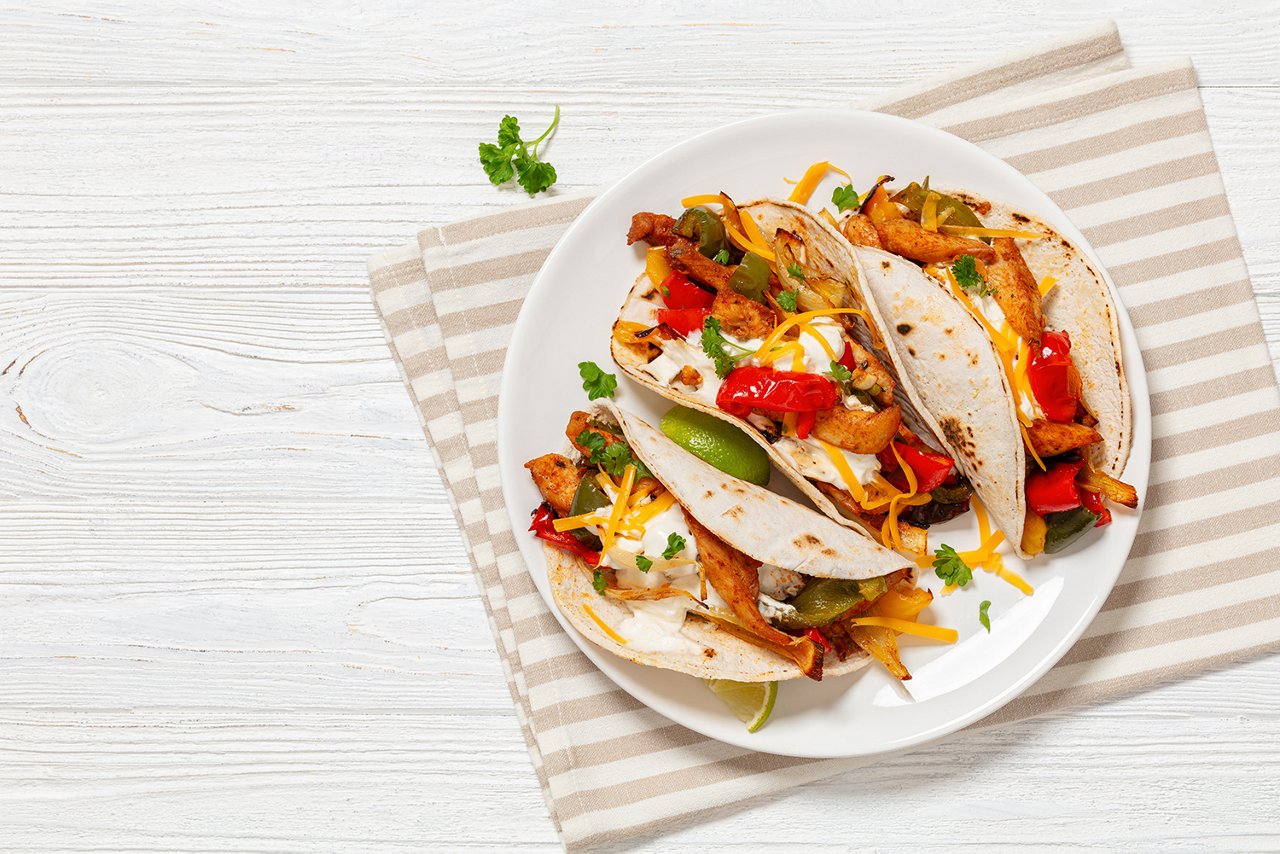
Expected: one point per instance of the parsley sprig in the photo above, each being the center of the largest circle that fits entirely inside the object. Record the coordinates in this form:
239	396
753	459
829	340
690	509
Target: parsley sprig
965	269
843	377
675	545
612	457
512	157
595	381
844	197
598	581
714	344
787	300
795	271
951	568
982	615
643	563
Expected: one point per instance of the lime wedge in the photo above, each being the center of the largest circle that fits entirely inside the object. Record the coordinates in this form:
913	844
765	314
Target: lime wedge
751	702
719	443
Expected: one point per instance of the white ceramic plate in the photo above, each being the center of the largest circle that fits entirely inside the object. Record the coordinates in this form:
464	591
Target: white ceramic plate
567	319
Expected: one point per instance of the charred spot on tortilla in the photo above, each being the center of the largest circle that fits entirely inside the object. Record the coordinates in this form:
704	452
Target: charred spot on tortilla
708	652
650	296
904	328
955	434
829	552
806	540
912	351
885	265
1020	218
734	512
709	494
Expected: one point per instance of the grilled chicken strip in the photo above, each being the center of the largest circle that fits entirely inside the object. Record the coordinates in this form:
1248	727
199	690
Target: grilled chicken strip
859	231
557	478
1050	439
653	228
858	430
909	239
736	578
1014	289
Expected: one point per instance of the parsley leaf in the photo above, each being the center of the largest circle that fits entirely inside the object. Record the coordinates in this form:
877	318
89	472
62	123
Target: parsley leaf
982	615
844	197
787	299
714	344
839	372
794	271
643	563
721	257
951	568
965	269
612	457
592	441
512	157
675	545
598	582
595	382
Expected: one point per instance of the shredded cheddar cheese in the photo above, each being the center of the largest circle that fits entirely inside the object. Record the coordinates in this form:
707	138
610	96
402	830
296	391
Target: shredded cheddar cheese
795	320
619	505
702	199
812	177
974	231
929	212
906	627
617	638
746	245
1046	285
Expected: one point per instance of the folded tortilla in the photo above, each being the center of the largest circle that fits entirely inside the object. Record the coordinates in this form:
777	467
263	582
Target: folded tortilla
827	252
946	358
763	525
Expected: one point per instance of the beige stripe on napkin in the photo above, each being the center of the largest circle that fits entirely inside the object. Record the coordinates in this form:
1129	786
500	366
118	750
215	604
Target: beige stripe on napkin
1128	156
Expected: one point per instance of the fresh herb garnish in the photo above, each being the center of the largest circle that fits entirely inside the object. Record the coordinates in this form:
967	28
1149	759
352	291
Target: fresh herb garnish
598	582
982	615
595	382
675	545
643	563
787	299
951	568
839	372
844	197
714	344
512	157
794	271
721	257
612	457
965	269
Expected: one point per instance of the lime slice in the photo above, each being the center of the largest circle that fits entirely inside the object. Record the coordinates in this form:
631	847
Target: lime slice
751	702
721	444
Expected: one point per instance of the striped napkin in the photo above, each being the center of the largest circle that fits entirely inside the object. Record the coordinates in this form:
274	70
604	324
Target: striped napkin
1127	154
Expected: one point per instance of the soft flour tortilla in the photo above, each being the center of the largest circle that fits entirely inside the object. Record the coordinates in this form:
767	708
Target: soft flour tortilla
829	253
947	361
1080	303
768	527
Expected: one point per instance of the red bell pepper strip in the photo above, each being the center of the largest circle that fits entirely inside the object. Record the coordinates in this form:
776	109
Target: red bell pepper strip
751	387
1049	373
930	467
683	320
1055	490
1093	503
846	358
679	292
543	529
819	638
804	424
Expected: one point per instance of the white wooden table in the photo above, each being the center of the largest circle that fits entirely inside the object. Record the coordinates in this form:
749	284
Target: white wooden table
234	611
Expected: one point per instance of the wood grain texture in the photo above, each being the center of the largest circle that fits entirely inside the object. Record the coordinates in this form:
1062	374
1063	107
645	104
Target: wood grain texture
236	614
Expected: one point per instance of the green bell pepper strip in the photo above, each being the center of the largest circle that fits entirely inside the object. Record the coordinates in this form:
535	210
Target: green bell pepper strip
751	278
1066	527
704	227
825	600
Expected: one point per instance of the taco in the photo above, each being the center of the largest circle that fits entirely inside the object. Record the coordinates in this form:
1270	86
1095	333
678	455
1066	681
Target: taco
1008	336
755	314
659	558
